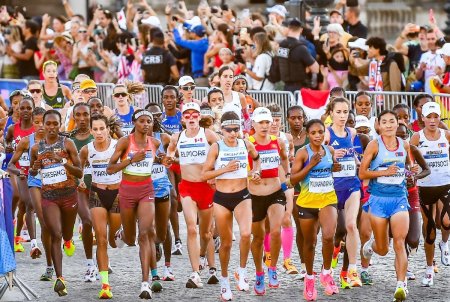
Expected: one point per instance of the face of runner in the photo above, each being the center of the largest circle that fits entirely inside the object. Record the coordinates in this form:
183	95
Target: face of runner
156	112
276	125
52	123
77	96
226	79
339	114
363	106
296	119
25	109
388	124
316	134
120	95
402	131
215	82
99	130
143	124
50	73
169	99
191	118
81	115
351	120
187	91
15	101
422	102
403	115
88	93
38	124
240	86
262	128
230	132
36	92
431	121
96	106
215	100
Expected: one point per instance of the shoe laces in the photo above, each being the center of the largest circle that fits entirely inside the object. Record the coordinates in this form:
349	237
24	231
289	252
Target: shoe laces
106	286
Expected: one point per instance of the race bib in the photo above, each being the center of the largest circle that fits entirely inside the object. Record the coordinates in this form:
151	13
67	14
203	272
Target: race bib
127	129
321	184
437	162
24	160
348	168
395	179
270	159
53	174
87	169
158	172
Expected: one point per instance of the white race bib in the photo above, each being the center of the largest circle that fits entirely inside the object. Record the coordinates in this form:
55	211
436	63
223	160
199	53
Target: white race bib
158	172
24	160
53	174
348	168
395	179
321	184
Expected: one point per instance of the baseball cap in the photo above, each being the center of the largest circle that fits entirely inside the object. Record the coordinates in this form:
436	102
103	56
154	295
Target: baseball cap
294	22
278	9
152	20
88	83
192	22
199	30
185	80
262	114
335	11
431	107
361	121
359	43
445	50
190	106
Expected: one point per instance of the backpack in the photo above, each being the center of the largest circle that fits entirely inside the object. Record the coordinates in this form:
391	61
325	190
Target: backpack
274	75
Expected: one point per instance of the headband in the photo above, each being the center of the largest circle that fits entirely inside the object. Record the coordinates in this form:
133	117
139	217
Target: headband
231	122
50	62
141	113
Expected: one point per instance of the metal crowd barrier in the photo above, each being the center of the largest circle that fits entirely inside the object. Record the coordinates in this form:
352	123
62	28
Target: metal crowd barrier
283	98
154	93
200	93
104	92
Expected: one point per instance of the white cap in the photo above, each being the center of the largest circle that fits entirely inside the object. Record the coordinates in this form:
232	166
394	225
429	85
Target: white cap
262	114
431	107
361	121
335	28
445	50
279	10
152	20
193	22
359	43
185	80
190	106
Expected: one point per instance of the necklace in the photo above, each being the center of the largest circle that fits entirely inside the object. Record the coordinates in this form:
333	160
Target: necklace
83	133
298	136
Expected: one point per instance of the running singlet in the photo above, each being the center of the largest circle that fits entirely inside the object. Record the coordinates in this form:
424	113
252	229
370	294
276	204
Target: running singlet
317	189
283	136
161	182
172	123
8	156
57	101
436	155
143	167
389	186
227	154
56	182
126	121
346	178
32	141
24	160
193	150
98	161
269	156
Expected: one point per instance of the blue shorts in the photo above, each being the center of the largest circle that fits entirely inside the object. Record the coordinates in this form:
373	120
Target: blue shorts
162	187
34	182
343	195
386	207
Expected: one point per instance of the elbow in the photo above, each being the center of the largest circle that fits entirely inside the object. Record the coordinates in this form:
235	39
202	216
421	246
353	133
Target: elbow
109	170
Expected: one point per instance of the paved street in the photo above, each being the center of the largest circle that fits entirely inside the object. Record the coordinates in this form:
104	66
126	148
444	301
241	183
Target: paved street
125	280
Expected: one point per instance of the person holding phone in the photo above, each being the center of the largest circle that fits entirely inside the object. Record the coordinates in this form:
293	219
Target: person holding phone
82	55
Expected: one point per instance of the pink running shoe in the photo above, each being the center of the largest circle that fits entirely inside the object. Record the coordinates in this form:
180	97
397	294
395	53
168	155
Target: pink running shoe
309	291
328	282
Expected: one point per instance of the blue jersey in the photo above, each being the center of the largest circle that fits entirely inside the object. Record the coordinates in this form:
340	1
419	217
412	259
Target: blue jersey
161	182
172	123
127	121
8	157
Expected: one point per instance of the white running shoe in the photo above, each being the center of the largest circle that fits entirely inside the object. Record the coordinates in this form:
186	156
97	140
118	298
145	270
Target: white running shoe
427	280
203	263
367	249
118	238
177	250
91	274
212	276
194	281
146	292
225	290
410	275
25	235
168	274
302	274
241	277
445	256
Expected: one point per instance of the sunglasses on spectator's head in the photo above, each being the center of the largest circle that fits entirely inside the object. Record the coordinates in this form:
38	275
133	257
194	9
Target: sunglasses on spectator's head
119	94
33	91
231	129
187	88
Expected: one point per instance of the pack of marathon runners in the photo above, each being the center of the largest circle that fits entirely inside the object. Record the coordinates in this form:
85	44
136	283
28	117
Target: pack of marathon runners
357	181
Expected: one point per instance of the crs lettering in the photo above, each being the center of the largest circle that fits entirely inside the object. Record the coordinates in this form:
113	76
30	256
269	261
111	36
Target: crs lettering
152	60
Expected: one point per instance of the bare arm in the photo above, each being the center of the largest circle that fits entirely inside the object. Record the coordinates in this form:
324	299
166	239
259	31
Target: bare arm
121	147
20	149
75	167
299	171
283	156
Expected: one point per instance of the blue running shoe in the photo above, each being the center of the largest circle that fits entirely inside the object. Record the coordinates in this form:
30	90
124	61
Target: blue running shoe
273	278
260	288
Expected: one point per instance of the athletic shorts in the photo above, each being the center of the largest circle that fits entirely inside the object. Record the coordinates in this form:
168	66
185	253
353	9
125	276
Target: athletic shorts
34	182
413	199
311	213
176	168
66	202
108	199
431	195
364	194
132	193
343	195
162	199
261	204
200	192
386	207
231	200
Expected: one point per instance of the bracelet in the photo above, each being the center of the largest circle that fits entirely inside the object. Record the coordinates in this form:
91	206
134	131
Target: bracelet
288	174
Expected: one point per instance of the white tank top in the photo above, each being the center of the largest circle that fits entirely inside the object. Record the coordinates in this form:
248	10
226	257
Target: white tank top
234	105
227	154
99	161
193	150
283	136
435	154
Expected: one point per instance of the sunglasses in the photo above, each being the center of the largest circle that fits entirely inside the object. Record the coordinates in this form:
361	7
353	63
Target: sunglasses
229	130
82	31
191	115
157	115
188	88
89	91
33	91
118	94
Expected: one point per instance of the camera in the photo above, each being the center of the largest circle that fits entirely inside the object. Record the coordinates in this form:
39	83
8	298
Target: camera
49	45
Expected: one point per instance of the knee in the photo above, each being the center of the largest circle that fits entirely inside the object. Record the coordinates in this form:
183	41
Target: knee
192	231
275	234
327	238
161	234
245	237
382	250
351	227
206	236
225	244
258	239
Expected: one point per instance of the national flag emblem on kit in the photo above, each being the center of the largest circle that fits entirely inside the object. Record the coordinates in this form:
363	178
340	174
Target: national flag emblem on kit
442	145
399	154
198	139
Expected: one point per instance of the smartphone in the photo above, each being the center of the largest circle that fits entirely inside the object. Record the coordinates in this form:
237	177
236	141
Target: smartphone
48	45
175	18
100	44
356	54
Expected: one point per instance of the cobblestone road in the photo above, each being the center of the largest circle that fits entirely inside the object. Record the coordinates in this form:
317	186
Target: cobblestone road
125	280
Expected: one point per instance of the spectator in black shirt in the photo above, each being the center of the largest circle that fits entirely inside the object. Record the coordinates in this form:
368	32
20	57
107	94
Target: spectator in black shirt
352	24
158	64
27	68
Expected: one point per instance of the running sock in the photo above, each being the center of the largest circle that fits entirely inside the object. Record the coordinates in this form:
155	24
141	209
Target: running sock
154	272
310	277
104	276
364	269
303	266
430	269
400	284
336	251
33	243
326	272
89	262
267	242
352	266
273	268
260	273
287	240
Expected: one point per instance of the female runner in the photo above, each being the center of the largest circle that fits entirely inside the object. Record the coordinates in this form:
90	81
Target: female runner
55	94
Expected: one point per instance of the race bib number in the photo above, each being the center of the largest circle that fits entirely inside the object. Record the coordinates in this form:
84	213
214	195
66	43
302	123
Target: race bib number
395	179
53	175
321	184
348	168
158	172
437	162
24	160
270	159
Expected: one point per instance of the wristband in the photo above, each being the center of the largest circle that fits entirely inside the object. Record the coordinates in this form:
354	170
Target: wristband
284	187
257	157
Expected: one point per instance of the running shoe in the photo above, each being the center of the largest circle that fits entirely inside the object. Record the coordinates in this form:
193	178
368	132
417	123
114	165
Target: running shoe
353	278
168	274
35	252
273	278
91	274
366	278
445	256
69	248
48	275
411	251
309	290
105	292
242	281
194	281
343	280
158	251
329	285
178	248
118	239
156	285
110	270
267	259
367	249
435	267
203	263
289	267
225	290
212	276
216	244
18	247
410	275
60	287
259	287
233	237
146	292
335	259
302	274
427	280
25	236
400	294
